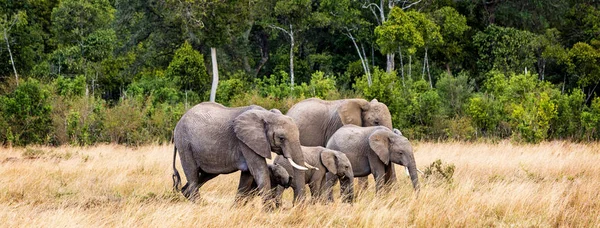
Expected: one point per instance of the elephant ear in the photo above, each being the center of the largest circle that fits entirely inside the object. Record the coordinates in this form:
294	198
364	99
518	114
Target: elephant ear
379	142
249	127
328	159
276	111
350	111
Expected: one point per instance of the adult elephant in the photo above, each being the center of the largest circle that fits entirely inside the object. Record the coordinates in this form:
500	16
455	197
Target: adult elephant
318	120
374	150
213	139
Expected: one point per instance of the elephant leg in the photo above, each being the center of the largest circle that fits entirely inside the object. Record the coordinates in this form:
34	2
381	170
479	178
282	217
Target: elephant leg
363	184
330	180
278	196
245	187
258	168
315	190
192	173
346	190
390	174
378	170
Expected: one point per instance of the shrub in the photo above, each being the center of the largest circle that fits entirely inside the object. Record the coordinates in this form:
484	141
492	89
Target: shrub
123	123
590	119
26	114
455	91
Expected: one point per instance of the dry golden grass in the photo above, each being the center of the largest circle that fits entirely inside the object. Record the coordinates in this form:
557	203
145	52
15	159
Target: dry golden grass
550	184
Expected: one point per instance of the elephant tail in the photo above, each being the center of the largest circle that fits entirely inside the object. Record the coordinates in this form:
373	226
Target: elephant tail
176	177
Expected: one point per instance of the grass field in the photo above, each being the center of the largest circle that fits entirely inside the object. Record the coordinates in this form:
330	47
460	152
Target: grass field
503	184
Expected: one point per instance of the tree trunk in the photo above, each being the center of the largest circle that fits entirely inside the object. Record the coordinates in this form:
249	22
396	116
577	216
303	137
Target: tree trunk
410	66
292	60
215	70
369	76
264	52
401	66
428	73
11	57
364	63
390	63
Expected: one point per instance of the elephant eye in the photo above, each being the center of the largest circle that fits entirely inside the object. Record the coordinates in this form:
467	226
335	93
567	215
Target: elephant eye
376	122
281	138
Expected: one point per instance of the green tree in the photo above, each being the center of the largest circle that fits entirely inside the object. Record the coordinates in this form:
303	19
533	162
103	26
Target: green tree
6	24
453	25
84	37
504	49
397	33
585	65
187	70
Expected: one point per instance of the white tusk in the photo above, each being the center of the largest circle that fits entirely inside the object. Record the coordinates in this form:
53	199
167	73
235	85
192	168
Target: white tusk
407	173
310	166
296	165
422	173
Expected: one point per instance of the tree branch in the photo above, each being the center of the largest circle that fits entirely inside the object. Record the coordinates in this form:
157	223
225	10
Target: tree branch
282	29
410	5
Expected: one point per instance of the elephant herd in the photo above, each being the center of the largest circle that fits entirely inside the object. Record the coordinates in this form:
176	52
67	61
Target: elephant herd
317	143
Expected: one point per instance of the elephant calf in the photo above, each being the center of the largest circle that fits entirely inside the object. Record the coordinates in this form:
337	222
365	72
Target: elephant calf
373	150
280	180
325	161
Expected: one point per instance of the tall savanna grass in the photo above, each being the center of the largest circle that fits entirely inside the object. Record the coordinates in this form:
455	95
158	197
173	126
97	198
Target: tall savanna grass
502	184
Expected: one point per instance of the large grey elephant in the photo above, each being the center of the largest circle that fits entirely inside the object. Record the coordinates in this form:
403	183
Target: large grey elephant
317	120
373	150
322	161
212	139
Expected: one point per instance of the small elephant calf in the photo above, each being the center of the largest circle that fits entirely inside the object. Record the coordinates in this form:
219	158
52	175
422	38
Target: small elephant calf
323	161
280	179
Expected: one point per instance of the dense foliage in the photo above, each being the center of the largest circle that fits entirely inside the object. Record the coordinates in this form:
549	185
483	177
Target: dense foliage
89	71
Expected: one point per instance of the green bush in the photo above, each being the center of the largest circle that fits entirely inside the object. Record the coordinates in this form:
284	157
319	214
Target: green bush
123	123
567	123
26	114
590	119
70	87
455	92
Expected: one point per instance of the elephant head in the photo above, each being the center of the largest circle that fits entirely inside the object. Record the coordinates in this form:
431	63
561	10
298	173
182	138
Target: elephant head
337	163
279	176
265	131
392	146
365	114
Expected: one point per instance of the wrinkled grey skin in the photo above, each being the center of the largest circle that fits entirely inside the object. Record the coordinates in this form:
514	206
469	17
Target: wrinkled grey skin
280	180
317	120
327	161
373	150
213	139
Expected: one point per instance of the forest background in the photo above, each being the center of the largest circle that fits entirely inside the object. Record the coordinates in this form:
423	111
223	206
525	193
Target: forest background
81	72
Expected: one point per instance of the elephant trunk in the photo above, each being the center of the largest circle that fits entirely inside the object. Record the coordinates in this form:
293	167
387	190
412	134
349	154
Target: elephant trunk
297	156
347	189
414	175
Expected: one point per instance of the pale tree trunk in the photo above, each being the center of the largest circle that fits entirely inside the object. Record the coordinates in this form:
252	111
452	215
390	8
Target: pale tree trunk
426	67
379	14
361	55
12	61
410	66
428	73
215	70
370	77
390	63
401	66
292	58
291	35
